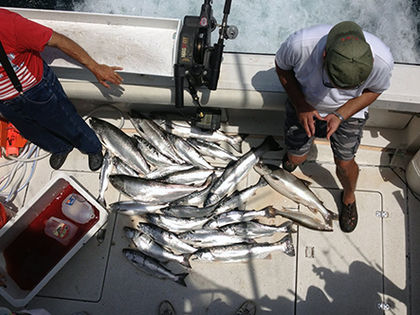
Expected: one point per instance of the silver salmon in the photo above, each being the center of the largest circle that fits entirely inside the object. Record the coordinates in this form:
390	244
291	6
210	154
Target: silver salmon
120	145
238	198
211	238
237	171
152	266
293	188
165	238
174	224
244	252
184	130
212	150
305	220
150	191
236	216
154	135
132	207
149	247
254	229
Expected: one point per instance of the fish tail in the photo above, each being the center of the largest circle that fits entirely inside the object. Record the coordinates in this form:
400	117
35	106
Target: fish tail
333	215
186	261
181	279
261	182
271	144
329	217
289	248
236	142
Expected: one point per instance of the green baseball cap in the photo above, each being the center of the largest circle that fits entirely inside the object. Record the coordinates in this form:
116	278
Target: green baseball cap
348	57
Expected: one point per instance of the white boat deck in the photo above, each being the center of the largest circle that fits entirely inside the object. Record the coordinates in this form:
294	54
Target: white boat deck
374	270
332	273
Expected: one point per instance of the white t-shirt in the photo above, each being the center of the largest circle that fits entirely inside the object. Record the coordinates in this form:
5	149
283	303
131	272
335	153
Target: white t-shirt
302	52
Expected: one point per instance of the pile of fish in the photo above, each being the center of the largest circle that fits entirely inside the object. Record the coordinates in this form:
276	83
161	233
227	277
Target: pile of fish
191	206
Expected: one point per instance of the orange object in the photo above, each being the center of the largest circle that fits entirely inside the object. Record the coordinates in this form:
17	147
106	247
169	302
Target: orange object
10	138
3	133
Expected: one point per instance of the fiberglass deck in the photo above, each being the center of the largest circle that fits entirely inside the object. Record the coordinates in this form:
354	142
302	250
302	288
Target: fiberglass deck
370	271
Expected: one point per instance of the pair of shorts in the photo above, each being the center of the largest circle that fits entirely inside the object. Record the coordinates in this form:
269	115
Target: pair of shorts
344	142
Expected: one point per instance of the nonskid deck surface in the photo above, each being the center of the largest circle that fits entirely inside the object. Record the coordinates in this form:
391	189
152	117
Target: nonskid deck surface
363	272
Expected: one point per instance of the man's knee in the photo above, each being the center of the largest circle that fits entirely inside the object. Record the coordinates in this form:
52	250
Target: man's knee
296	159
346	166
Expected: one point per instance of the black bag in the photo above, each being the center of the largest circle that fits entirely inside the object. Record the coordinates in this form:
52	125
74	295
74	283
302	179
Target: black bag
9	69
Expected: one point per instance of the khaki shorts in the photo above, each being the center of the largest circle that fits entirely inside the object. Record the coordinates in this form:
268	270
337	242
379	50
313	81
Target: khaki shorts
344	142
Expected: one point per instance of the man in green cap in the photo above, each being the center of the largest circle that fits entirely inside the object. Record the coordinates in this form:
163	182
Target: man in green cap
331	76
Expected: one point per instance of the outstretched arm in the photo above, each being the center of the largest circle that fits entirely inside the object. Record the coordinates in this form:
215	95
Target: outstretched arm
102	72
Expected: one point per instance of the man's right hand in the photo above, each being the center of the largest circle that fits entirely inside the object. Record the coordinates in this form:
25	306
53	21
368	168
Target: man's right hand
306	116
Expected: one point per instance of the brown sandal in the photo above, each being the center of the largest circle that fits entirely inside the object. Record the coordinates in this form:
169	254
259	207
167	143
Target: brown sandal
166	308
348	216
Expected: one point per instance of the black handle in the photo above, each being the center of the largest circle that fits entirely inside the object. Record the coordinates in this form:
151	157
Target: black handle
226	9
179	75
215	63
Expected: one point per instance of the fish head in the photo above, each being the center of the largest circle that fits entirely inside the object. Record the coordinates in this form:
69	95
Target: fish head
130	233
129	253
97	124
117	181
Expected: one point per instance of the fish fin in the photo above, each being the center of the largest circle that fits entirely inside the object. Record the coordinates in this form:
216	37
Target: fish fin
261	182
287	241
102	202
288	226
331	216
306	182
237	142
237	146
334	216
181	279
313	210
271	211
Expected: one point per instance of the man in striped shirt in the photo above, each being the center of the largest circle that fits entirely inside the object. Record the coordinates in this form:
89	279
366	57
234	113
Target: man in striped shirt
42	112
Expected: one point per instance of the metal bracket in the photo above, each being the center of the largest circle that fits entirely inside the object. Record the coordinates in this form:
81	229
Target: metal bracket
384	306
382	214
309	252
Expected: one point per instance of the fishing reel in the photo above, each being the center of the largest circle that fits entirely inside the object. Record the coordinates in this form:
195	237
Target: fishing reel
198	62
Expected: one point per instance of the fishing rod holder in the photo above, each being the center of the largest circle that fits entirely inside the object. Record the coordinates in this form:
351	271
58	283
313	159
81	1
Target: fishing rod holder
198	61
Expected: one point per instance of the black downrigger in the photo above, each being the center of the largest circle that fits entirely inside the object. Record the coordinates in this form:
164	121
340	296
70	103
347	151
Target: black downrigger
199	62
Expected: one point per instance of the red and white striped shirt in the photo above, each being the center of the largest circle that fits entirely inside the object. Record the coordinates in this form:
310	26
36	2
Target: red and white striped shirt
23	40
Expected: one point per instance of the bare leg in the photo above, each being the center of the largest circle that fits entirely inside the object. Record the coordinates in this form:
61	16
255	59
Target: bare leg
347	172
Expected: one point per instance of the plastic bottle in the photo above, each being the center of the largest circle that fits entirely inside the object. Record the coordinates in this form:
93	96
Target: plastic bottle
60	230
76	208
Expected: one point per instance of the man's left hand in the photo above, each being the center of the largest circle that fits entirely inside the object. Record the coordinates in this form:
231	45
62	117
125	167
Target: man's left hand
333	122
106	74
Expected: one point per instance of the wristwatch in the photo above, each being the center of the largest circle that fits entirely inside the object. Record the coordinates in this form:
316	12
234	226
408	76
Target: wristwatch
338	115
